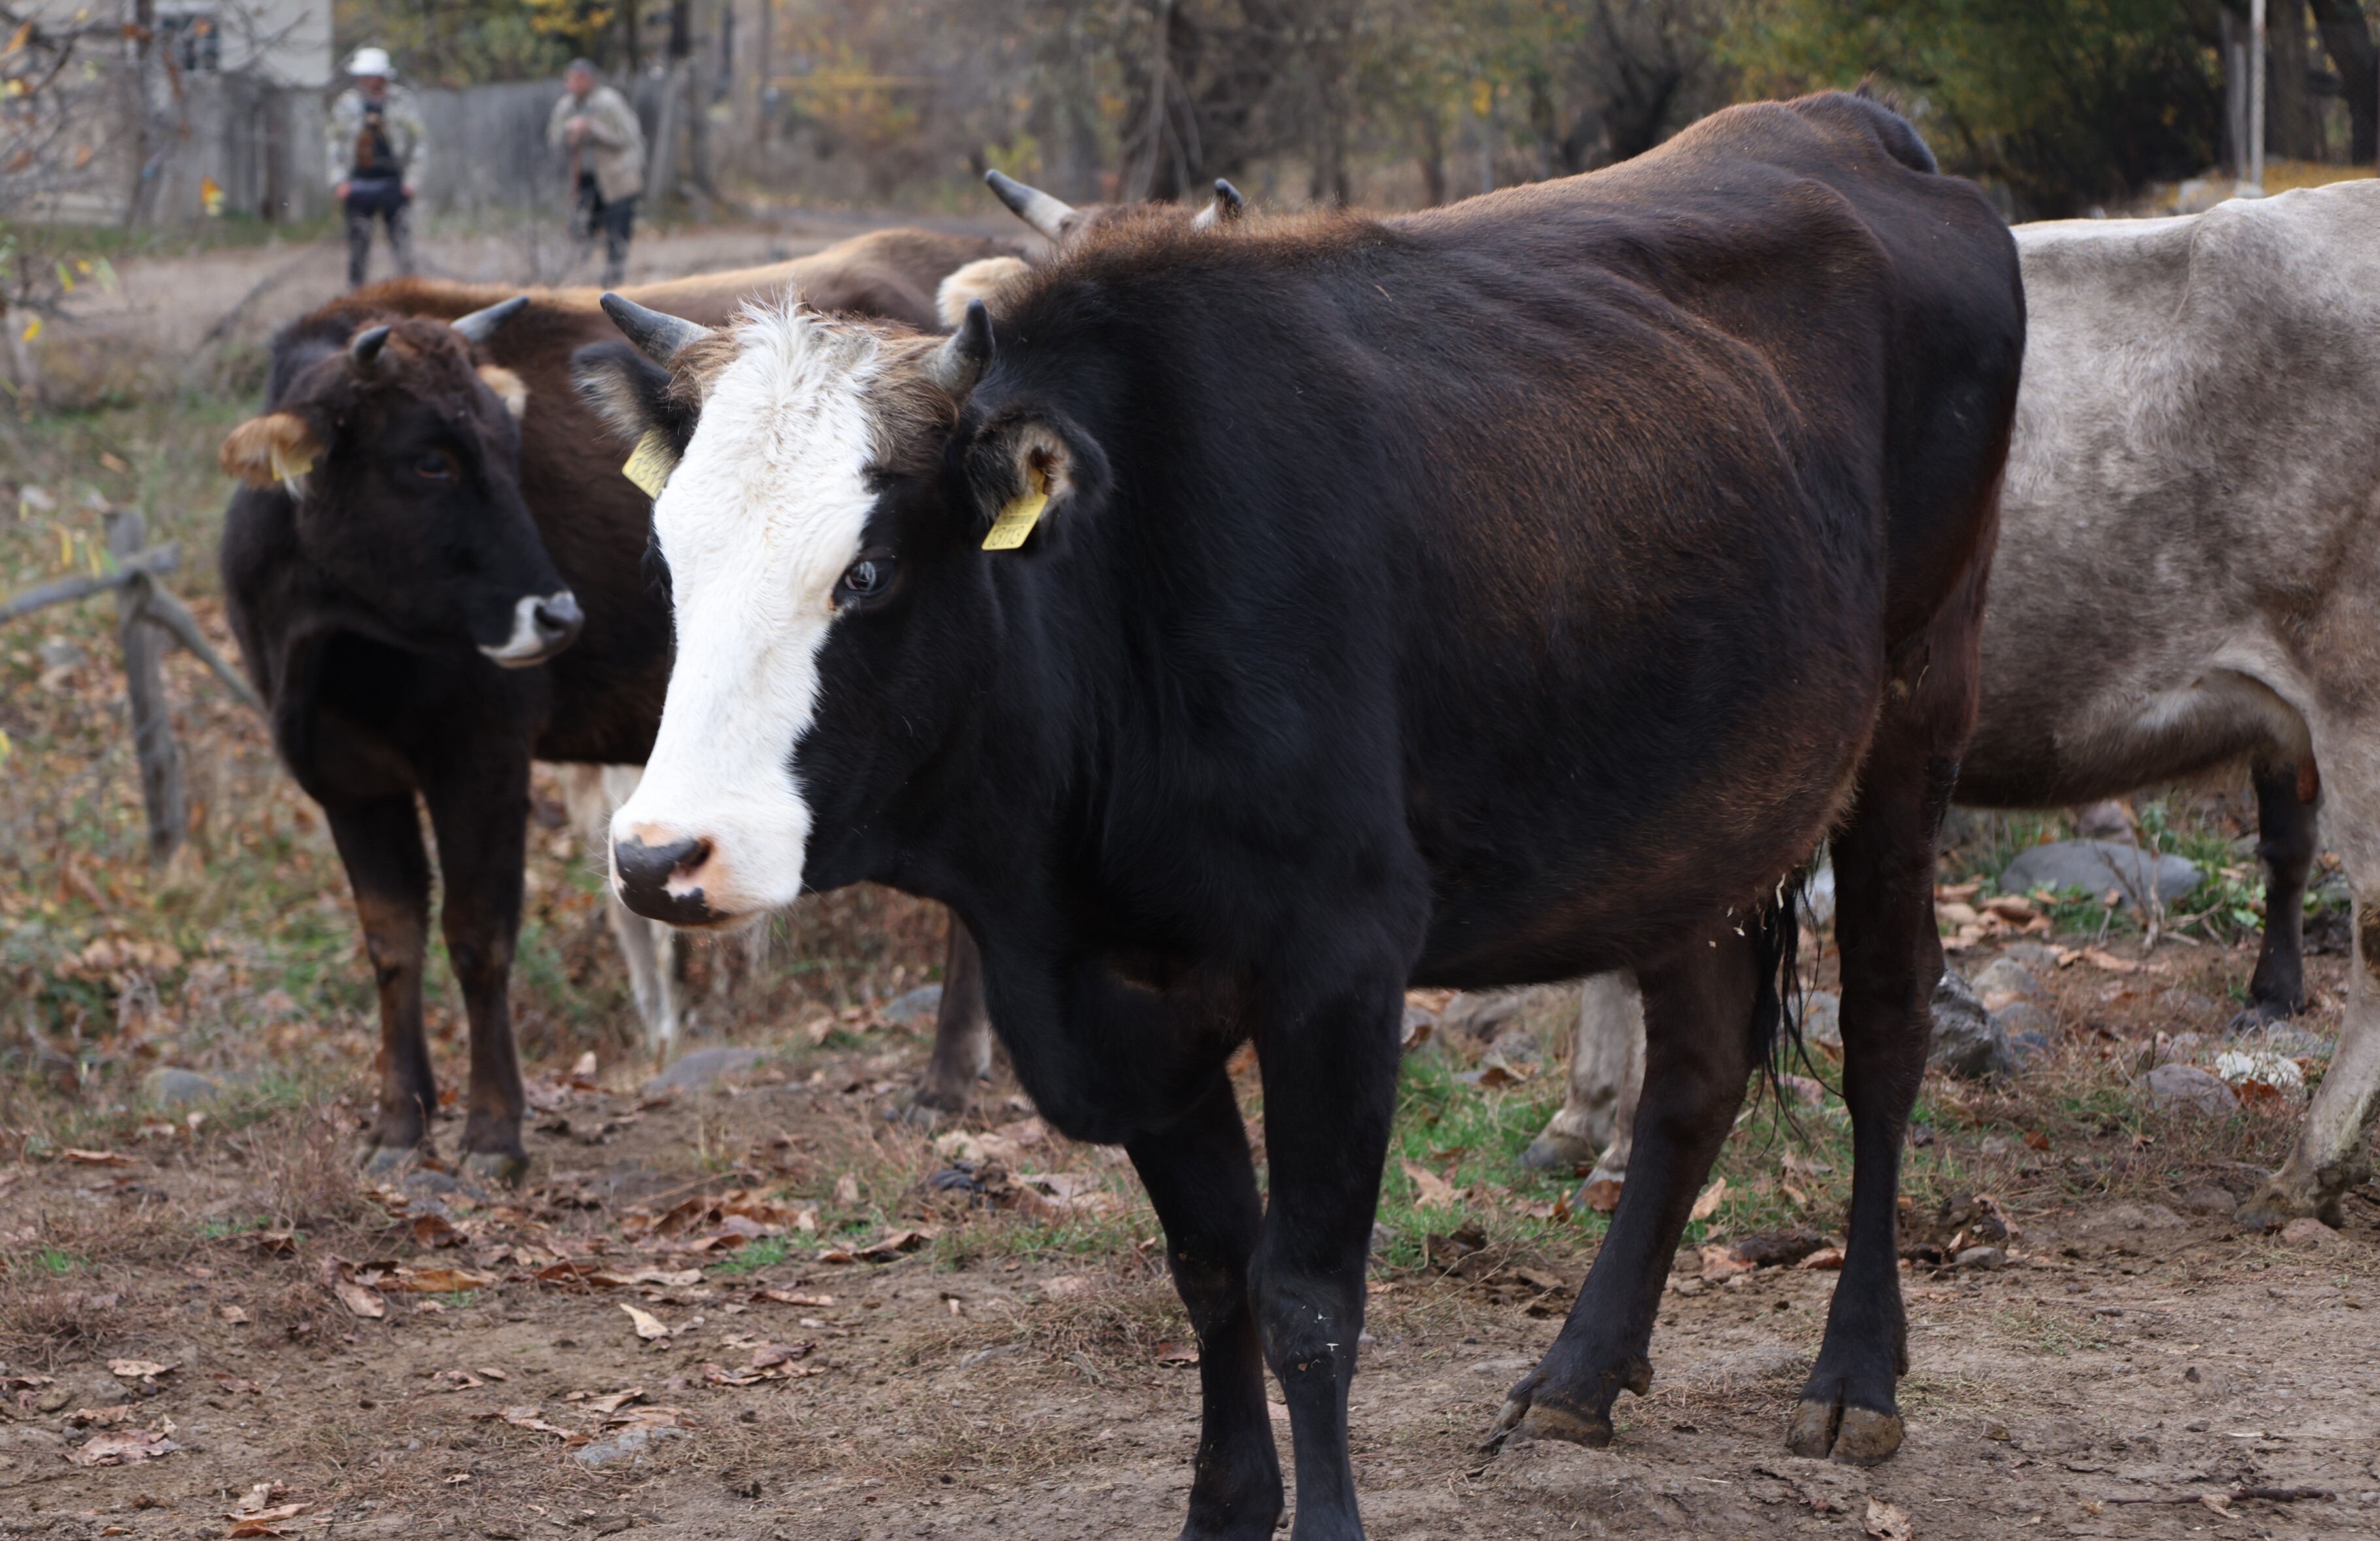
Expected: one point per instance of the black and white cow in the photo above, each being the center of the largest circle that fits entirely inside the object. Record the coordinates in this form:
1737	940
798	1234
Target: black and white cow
1253	622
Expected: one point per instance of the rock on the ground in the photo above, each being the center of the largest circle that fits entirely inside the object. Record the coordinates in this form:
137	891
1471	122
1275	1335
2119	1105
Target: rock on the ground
629	1445
2174	1085
704	1068
168	1086
914	1011
1822	1018
2005	975
2308	1232
2038	956
2096	866
1967	1042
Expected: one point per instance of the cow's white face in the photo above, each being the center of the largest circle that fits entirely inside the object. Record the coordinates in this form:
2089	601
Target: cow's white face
759	522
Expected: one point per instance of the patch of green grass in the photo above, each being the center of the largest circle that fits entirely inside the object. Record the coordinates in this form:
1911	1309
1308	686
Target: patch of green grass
765	1253
55	1262
458	1300
222	1230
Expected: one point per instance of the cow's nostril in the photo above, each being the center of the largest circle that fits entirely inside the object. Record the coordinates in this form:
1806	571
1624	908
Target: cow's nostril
559	618
645	873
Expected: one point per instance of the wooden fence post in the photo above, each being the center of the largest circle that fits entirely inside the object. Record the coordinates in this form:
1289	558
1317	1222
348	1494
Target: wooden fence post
144	684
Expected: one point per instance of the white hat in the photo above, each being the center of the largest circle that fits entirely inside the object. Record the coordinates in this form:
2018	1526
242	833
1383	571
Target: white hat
372	61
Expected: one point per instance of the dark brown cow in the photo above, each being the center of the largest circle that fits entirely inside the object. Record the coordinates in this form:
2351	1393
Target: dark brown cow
430	517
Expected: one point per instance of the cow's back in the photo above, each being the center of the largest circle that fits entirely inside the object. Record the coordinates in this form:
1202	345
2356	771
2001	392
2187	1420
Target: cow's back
1590	493
2190	493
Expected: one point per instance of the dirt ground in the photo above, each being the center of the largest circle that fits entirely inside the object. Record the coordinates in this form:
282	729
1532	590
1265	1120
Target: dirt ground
1020	1370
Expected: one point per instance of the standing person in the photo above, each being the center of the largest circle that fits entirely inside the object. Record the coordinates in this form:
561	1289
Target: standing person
599	128
375	143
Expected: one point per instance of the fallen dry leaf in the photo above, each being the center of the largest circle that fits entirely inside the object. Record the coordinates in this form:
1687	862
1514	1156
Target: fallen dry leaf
1177	1354
1602	1195
266	1516
125	1448
786	1297
2100	958
235	1316
100	1417
613	1401
1706	1204
490	1373
455	1380
1720	1263
648	1327
435	1231
1065	1285
1886	1522
136	1369
359	1301
99	1158
1430	1190
1824	1257
647	1417
527	1417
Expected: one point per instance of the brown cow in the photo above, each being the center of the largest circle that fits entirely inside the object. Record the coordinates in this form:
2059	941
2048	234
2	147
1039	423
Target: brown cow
430	517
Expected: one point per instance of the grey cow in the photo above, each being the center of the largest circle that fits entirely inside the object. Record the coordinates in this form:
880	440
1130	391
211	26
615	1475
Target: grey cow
2187	582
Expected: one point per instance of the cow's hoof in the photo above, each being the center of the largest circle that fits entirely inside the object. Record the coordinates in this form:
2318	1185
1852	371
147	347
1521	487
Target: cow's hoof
391	1161
918	1113
2257	1016
1537	1420
500	1167
1856	1436
1552	1152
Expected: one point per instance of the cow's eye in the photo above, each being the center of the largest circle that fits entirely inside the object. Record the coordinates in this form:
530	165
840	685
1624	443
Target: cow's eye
434	465
867	578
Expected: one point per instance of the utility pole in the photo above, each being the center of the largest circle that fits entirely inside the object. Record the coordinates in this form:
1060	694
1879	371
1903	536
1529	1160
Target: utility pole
2256	95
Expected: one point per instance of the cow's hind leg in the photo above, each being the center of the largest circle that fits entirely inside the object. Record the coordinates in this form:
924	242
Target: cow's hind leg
2285	840
1330	1092
1697	1056
1203	1184
481	815
1607	1064
2333	1150
381	844
962	1037
1891	958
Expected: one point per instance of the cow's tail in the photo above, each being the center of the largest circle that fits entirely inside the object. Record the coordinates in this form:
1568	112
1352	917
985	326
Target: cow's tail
1777	1007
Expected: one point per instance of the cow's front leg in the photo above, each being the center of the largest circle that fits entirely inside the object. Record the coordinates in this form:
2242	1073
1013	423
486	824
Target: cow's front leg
481	815
962	1037
1331	1082
2284	842
1697	1008
380	843
1200	1180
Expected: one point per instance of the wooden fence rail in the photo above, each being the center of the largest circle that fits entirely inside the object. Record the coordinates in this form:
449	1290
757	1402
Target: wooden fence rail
148	618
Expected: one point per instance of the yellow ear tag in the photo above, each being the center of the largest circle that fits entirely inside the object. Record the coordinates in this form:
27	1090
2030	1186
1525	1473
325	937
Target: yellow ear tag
288	469
1016	520
650	467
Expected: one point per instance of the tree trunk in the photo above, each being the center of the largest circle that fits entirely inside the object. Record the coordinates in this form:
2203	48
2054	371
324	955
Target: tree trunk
1433	158
2347	38
144	690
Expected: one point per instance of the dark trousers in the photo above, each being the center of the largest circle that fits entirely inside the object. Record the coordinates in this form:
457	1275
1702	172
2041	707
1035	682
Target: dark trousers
614	220
367	197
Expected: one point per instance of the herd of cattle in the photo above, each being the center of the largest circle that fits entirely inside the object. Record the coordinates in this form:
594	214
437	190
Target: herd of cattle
1236	620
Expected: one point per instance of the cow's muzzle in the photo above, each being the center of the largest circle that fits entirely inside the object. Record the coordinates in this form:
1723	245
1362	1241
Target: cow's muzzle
543	625
664	882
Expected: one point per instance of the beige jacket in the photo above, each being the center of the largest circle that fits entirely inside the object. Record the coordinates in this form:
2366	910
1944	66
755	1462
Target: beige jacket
615	147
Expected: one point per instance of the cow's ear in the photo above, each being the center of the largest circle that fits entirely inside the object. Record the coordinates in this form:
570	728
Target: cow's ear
631	395
1034	472
279	447
982	279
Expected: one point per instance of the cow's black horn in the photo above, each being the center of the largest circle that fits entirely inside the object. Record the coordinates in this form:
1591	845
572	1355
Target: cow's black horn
657	336
365	349
960	362
1035	206
1226	206
480	325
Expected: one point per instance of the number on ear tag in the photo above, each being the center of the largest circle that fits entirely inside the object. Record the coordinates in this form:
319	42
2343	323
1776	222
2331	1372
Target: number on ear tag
651	466
1017	521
